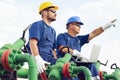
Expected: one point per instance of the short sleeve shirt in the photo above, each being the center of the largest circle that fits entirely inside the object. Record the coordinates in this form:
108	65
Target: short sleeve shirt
45	35
77	42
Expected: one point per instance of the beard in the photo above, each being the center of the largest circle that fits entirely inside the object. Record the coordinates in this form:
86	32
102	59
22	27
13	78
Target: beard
51	19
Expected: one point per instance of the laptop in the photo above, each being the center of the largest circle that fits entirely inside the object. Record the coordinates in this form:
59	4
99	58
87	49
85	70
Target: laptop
94	53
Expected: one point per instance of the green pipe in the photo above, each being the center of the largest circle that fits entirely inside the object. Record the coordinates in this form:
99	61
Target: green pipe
55	74
113	77
23	73
54	71
15	58
75	70
18	44
65	59
97	64
85	70
32	65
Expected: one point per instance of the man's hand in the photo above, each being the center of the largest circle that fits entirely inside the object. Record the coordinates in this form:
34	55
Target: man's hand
108	25
41	63
77	54
84	59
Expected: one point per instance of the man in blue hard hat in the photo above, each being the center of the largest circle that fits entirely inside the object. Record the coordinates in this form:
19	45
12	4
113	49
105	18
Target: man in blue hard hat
75	41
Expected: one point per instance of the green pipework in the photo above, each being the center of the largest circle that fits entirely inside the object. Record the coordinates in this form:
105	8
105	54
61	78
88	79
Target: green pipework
18	44
32	65
23	73
14	49
78	69
97	64
65	59
115	75
112	77
16	59
10	58
54	72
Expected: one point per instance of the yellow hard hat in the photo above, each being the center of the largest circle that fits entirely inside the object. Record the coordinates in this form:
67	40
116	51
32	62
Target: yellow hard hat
45	5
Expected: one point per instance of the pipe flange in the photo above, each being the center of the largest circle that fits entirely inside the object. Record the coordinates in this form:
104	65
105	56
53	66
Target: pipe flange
13	64
5	62
65	70
8	61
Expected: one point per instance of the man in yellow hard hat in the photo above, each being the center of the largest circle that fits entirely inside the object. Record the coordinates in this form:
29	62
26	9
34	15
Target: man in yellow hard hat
42	37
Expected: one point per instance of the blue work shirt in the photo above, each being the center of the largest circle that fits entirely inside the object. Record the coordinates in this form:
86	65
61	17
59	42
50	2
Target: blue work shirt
64	39
46	37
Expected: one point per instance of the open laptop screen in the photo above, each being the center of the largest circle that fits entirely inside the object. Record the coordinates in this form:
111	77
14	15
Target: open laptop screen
94	53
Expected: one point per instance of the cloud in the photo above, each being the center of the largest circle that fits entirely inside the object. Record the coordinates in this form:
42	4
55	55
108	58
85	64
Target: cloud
14	18
8	13
8	16
102	9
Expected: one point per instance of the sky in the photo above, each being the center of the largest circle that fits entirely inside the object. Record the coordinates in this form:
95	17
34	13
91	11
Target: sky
16	15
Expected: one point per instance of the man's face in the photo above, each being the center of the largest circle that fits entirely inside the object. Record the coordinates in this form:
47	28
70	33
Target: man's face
75	27
51	14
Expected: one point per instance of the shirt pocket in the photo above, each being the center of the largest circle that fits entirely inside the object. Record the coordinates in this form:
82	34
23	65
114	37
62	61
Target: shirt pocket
50	37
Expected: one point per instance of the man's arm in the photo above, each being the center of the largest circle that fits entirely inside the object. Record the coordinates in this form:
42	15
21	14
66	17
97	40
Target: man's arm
100	30
33	47
65	50
35	52
95	33
54	53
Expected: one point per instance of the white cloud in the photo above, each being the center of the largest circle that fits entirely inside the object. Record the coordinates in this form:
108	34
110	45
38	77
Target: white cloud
8	16
102	9
8	13
13	20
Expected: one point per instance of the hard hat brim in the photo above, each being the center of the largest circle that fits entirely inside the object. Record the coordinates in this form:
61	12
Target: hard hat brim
56	7
72	22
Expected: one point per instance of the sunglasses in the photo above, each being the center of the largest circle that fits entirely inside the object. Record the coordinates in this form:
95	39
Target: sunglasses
53	11
77	24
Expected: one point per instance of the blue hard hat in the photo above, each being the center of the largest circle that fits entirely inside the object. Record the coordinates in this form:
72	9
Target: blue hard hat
74	19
